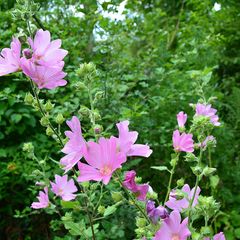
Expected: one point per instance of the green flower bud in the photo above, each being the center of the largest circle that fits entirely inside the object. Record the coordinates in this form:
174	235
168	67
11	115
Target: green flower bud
86	70
138	179
97	115
28	147
59	119
80	85
180	182
29	98
98	129
116	196
48	106
98	95
49	131
44	121
85	111
141	222
101	209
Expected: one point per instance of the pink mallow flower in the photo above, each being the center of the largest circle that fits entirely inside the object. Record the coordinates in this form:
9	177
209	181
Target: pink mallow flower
139	190
75	146
182	142
219	236
64	188
45	51
208	111
102	158
179	204
10	58
173	229
127	139
44	76
43	200
181	119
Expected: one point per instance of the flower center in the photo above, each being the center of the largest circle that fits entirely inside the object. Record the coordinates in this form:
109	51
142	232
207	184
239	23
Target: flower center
106	170
175	237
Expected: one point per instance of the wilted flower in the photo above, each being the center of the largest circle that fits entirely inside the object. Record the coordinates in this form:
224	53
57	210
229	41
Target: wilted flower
45	51
182	142
102	158
155	213
43	200
208	111
10	58
64	188
44	76
173	229
179	204
219	236
75	146
127	139
207	140
181	119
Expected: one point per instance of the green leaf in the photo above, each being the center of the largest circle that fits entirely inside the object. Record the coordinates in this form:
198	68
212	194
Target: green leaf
160	168
109	210
70	204
16	117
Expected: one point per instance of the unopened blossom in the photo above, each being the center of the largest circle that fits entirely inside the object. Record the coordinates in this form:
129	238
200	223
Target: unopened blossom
179	204
44	76
155	213
181	119
219	236
64	188
182	142
102	160
207	139
43	200
173	229
45	51
139	190
10	58
208	111
127	139
75	146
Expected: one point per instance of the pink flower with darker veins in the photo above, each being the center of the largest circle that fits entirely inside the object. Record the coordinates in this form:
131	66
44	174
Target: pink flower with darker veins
43	200
45	51
64	188
75	146
102	158
180	204
182	142
173	229
208	111
219	236
10	58
43	76
181	119
127	139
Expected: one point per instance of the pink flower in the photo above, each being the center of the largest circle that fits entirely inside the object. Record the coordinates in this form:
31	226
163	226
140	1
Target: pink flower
175	204
181	119
208	111
64	188
75	146
43	76
219	236
208	139
45	51
173	229
127	139
10	58
182	142
43	200
139	190
102	158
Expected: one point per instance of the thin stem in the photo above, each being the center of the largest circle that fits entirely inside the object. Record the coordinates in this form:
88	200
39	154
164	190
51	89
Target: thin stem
133	200
44	114
170	179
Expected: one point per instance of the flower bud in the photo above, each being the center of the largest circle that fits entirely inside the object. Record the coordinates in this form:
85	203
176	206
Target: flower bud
44	121
97	115
98	95
180	182
28	147
86	69
141	222
49	131
85	111
48	106
59	119
27	53
97	129
116	196
101	209
29	98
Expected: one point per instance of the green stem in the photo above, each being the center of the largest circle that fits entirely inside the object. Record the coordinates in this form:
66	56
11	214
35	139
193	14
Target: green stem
44	114
170	179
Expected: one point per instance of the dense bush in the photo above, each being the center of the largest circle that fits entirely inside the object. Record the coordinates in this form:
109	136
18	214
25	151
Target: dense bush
151	63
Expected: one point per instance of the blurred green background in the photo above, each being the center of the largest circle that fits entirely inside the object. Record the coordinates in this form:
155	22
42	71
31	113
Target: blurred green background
152	56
